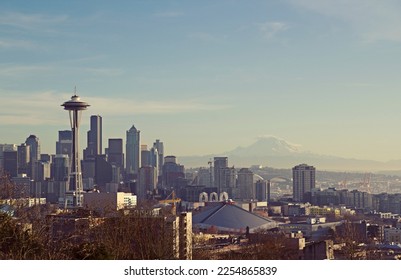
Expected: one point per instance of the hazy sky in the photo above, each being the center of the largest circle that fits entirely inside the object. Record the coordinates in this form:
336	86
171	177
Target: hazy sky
207	76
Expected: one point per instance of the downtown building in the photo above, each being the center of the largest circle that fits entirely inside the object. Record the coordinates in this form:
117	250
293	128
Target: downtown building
245	184
115	156
303	181
133	152
92	151
94	138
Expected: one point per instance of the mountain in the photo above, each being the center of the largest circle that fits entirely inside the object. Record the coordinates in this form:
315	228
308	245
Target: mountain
267	146
276	152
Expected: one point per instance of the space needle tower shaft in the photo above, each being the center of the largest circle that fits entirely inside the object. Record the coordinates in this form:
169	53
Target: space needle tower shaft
74	192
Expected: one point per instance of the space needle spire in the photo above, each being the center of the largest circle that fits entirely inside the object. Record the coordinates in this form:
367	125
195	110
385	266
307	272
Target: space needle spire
74	192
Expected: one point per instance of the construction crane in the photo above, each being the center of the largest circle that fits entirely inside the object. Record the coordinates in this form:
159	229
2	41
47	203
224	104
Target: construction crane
343	184
173	201
211	172
366	181
365	184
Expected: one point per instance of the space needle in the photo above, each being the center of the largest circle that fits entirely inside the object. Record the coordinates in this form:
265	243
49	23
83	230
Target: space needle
74	192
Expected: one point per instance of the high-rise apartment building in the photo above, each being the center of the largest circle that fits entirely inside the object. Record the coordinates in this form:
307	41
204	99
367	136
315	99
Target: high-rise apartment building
133	151
220	163
303	181
228	182
261	189
245	184
94	146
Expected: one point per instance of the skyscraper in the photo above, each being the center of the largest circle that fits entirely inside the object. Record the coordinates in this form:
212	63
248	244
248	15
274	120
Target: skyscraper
3	148
115	153
34	146
64	143
303	181
11	163
172	172
23	158
219	164
228	182
133	151
60	167
159	147
261	189
94	146
154	159
145	156
245	184
146	182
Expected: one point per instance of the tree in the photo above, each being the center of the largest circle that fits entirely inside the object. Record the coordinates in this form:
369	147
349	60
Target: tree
17	240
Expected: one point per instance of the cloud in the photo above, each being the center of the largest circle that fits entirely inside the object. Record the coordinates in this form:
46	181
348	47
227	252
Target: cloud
19	70
32	109
168	14
271	29
43	108
36	22
12	44
372	20
202	36
110	72
124	106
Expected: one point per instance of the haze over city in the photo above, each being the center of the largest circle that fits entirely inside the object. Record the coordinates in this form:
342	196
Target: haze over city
206	76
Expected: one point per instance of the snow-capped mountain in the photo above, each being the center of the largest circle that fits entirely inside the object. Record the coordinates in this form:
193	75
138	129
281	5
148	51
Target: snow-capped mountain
267	146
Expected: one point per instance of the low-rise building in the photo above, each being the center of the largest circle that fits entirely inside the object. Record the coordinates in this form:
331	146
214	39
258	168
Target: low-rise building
103	202
392	235
313	229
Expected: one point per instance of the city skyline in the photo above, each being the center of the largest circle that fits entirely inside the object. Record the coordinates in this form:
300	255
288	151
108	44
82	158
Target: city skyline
207	77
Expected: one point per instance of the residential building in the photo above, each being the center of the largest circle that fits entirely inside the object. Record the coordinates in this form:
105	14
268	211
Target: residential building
303	177
245	184
219	164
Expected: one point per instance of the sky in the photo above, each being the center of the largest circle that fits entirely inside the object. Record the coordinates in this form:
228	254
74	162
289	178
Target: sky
207	76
